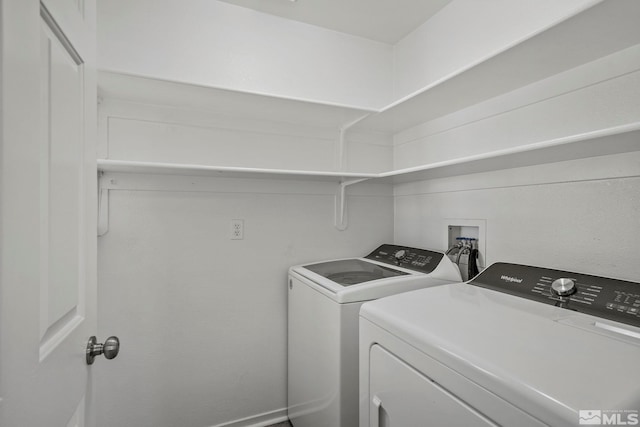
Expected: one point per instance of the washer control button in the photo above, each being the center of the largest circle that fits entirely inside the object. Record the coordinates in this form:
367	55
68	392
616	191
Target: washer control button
400	254
563	287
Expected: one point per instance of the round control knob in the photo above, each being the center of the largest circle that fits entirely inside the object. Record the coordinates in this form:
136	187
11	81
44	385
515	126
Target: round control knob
563	287
400	254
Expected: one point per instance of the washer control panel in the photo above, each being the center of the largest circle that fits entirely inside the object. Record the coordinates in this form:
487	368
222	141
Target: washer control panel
421	260
612	299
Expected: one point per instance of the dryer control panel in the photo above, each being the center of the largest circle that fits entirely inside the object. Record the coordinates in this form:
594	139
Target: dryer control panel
612	299
421	260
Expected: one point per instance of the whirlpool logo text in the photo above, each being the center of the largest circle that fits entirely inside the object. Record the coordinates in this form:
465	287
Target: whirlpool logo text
511	279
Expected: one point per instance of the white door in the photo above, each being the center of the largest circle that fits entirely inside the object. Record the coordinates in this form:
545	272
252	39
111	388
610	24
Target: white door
47	211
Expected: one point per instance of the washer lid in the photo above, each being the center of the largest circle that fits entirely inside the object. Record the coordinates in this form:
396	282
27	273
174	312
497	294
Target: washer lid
353	271
393	280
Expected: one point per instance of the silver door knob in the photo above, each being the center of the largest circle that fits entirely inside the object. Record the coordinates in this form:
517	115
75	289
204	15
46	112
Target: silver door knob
110	348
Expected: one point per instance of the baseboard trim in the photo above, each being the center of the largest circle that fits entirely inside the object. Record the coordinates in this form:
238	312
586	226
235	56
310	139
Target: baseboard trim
260	420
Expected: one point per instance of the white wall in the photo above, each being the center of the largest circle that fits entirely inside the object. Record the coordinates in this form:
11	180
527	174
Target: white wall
206	333
213	43
202	318
217	44
465	32
579	215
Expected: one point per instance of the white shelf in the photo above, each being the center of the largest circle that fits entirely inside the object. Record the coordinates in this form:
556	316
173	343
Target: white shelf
585	37
578	40
564	45
615	140
619	139
125	166
263	107
341	179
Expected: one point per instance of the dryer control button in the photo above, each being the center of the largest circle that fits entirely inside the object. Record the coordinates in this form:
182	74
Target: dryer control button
563	287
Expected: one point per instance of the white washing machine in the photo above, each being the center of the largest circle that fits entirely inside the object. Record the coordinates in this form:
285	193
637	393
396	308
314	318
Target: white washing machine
516	346
324	301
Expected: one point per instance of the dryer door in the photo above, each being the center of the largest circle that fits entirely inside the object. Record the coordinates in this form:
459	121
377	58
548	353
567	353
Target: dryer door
402	396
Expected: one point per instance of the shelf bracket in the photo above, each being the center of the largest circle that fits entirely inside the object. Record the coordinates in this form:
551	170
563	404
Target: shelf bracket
341	220
341	154
105	184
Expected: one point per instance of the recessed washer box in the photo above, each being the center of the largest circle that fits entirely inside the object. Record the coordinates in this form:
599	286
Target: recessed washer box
470	228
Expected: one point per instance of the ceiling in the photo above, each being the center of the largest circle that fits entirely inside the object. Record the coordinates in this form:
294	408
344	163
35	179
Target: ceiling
385	21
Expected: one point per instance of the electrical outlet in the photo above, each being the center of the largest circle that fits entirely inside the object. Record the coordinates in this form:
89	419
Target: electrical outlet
237	229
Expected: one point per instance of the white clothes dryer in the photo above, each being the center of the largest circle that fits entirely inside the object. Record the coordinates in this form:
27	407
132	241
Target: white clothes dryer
515	346
324	300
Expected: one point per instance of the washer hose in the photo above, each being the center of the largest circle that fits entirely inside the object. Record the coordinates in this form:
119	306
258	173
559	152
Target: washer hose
472	269
455	247
464	250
